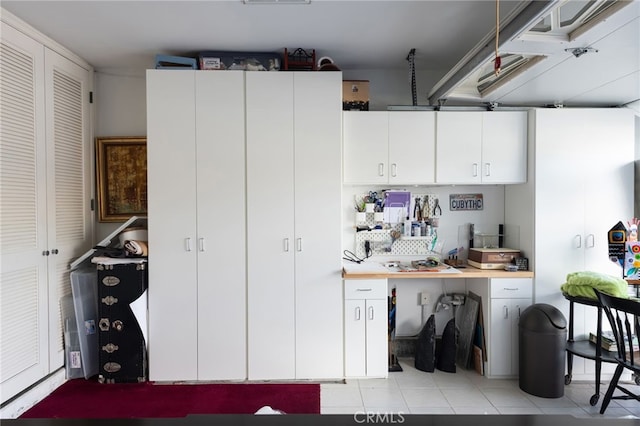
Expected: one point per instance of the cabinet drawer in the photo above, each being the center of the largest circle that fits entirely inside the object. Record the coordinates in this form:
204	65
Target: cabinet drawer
365	289
511	287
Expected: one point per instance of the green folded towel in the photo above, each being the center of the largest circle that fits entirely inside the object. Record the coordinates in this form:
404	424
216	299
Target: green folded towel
581	284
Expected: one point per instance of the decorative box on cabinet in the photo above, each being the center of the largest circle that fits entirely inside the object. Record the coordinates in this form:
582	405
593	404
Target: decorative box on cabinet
394	147
366	328
503	299
481	147
122	352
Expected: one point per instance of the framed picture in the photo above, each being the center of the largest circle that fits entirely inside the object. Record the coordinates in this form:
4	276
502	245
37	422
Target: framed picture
121	168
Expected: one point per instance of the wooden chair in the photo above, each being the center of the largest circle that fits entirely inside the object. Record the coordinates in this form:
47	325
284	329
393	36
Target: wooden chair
623	316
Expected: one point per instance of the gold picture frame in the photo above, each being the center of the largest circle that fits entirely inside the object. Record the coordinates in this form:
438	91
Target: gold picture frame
121	169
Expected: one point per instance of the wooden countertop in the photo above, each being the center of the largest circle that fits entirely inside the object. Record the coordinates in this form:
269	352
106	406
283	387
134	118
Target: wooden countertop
374	270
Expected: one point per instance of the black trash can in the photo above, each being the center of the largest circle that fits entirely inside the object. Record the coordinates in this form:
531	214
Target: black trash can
542	350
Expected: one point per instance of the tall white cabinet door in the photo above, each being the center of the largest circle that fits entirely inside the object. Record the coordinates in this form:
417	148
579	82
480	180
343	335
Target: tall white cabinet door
412	140
504	146
171	154
221	225
23	206
366	147
459	147
69	183
270	225
355	338
318	282
377	340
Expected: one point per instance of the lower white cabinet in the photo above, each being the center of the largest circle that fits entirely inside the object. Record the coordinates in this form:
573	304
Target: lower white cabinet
365	328
503	299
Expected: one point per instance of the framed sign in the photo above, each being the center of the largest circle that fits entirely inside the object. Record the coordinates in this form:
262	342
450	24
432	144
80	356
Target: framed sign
121	169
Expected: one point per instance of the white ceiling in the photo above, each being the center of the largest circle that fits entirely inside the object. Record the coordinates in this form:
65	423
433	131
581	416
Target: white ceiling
356	34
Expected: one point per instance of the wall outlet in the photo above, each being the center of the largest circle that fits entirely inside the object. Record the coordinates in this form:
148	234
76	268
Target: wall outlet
424	298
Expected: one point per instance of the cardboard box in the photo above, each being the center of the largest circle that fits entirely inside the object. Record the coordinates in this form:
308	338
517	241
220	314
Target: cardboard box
491	258
355	95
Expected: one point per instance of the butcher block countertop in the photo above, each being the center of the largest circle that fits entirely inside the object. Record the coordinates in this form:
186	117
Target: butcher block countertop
376	270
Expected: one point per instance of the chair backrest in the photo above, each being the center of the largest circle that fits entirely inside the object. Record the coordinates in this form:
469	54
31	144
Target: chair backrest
624	317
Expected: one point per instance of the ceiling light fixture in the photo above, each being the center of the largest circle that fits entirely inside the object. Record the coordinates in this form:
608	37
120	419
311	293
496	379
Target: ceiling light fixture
579	51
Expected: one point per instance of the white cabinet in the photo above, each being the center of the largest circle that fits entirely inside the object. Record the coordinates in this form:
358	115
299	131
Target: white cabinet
46	190
391	147
481	147
582	184
293	225
503	299
366	328
196	205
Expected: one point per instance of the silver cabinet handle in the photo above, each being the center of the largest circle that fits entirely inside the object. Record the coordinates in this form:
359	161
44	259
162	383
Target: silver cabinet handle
54	251
380	169
394	170
370	312
590	238
357	313
578	239
363	289
46	253
475	169
286	244
505	310
518	308
187	244
201	241
299	244
487	169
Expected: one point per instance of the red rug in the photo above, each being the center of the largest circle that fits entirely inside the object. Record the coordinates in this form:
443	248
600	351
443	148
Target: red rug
89	399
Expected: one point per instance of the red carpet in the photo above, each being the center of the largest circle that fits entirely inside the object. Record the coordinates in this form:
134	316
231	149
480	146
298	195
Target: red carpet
89	399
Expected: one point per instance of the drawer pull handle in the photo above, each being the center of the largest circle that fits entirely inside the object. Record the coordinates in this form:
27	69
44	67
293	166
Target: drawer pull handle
510	289
363	289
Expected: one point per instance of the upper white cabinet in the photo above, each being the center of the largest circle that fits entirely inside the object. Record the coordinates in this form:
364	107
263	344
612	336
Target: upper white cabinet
481	147
294	296
389	147
45	191
196	204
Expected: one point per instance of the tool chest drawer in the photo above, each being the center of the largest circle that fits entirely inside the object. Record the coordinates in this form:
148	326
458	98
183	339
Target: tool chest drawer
365	289
122	353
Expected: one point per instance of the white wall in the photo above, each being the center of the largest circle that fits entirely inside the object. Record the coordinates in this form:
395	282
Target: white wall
120	110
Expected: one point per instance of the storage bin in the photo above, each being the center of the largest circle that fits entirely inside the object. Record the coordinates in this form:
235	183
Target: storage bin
248	61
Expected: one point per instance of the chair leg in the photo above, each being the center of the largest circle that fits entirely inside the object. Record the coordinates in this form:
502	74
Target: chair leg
612	387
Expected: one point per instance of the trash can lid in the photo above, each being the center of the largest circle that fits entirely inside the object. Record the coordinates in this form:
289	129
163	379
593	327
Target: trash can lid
542	317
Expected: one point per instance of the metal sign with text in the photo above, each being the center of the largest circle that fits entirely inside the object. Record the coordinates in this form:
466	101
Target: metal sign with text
465	202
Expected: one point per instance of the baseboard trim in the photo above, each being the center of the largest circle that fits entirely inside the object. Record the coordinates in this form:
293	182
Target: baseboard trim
15	407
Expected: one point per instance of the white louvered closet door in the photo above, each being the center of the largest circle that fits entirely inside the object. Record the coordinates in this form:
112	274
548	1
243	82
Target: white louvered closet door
24	356
69	185
45	192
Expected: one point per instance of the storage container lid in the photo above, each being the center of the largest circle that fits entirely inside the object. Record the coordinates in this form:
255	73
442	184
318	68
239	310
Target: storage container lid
542	317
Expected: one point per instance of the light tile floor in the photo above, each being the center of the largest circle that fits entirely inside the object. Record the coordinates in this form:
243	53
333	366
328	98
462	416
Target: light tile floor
465	392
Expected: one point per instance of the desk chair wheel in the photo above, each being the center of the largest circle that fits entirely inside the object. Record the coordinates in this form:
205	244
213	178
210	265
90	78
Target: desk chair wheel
594	400
636	379
567	379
